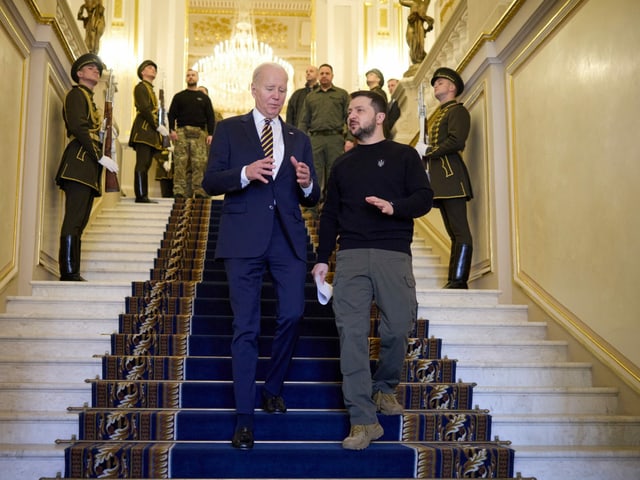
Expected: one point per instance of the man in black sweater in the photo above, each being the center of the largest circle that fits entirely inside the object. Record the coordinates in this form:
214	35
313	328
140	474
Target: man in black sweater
374	192
191	123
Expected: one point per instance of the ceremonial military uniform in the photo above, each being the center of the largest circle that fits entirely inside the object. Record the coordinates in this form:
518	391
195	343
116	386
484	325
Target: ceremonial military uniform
450	178
144	139
447	136
79	172
80	158
163	175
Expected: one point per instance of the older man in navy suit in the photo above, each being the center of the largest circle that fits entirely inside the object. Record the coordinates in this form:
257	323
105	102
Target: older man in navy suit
265	169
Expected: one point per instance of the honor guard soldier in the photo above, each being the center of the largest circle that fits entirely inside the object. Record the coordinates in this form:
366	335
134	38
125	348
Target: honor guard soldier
81	166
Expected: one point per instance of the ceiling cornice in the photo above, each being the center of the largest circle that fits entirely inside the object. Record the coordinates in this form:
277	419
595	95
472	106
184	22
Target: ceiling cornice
292	7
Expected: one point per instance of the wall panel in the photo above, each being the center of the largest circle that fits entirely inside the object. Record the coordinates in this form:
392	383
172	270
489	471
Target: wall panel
12	59
576	165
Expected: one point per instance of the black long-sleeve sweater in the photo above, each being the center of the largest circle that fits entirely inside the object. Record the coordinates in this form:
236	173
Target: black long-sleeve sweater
388	170
192	108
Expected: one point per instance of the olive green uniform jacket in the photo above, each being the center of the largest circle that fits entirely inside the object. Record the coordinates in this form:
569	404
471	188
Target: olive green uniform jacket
443	160
80	158
146	121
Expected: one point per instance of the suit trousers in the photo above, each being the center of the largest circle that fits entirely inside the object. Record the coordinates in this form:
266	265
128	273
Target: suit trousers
245	276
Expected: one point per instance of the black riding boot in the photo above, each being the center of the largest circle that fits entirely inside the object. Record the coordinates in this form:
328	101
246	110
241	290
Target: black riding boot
141	187
452	264
461	256
69	259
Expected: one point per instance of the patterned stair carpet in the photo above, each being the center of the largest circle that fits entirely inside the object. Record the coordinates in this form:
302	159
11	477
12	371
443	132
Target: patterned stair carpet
164	405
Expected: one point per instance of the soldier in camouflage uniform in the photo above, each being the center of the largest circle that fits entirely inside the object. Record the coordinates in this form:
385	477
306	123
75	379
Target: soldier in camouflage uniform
191	122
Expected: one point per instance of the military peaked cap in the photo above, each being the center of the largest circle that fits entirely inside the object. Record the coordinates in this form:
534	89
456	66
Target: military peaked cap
83	61
378	73
144	65
449	74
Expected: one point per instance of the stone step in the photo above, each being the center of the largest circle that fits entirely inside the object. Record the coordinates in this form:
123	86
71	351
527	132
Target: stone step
121	230
83	325
466	314
92	255
79	290
54	348
65	306
115	275
455	332
57	397
48	325
17	369
425	272
47	427
522	430
431	280
578	463
137	263
122	218
97	244
439	297
511	350
113	238
535	374
515	400
423	260
566	430
29	461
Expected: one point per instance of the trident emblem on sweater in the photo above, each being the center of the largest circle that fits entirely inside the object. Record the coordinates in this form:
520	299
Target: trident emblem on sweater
381	162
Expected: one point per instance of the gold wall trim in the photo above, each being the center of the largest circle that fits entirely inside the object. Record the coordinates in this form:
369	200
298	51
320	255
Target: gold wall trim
554	308
53	23
491	36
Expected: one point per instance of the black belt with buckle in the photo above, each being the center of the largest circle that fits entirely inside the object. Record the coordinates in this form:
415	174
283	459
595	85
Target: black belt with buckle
325	132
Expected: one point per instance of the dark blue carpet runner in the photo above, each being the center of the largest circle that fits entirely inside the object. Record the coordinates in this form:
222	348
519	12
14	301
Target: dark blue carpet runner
164	405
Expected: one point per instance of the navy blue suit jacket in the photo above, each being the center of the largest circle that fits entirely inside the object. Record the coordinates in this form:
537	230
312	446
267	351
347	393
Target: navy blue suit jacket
248	213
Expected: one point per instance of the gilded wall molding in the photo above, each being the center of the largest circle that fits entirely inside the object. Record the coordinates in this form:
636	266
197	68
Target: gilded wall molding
64	26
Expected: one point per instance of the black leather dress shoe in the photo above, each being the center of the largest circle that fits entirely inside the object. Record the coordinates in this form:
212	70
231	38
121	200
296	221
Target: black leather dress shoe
242	438
273	403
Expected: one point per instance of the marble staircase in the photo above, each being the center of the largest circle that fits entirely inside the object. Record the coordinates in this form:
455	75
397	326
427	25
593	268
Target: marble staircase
562	426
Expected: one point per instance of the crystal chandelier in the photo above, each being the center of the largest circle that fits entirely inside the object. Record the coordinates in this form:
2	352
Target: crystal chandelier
228	72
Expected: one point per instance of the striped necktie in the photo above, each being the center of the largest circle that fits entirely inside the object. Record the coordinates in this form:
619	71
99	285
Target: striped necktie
266	138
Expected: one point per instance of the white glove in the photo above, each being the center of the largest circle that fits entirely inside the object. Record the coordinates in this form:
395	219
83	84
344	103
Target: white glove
167	166
421	148
162	130
109	164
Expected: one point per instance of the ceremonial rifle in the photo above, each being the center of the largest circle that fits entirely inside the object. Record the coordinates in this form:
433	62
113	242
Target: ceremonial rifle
110	178
162	119
422	119
422	115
